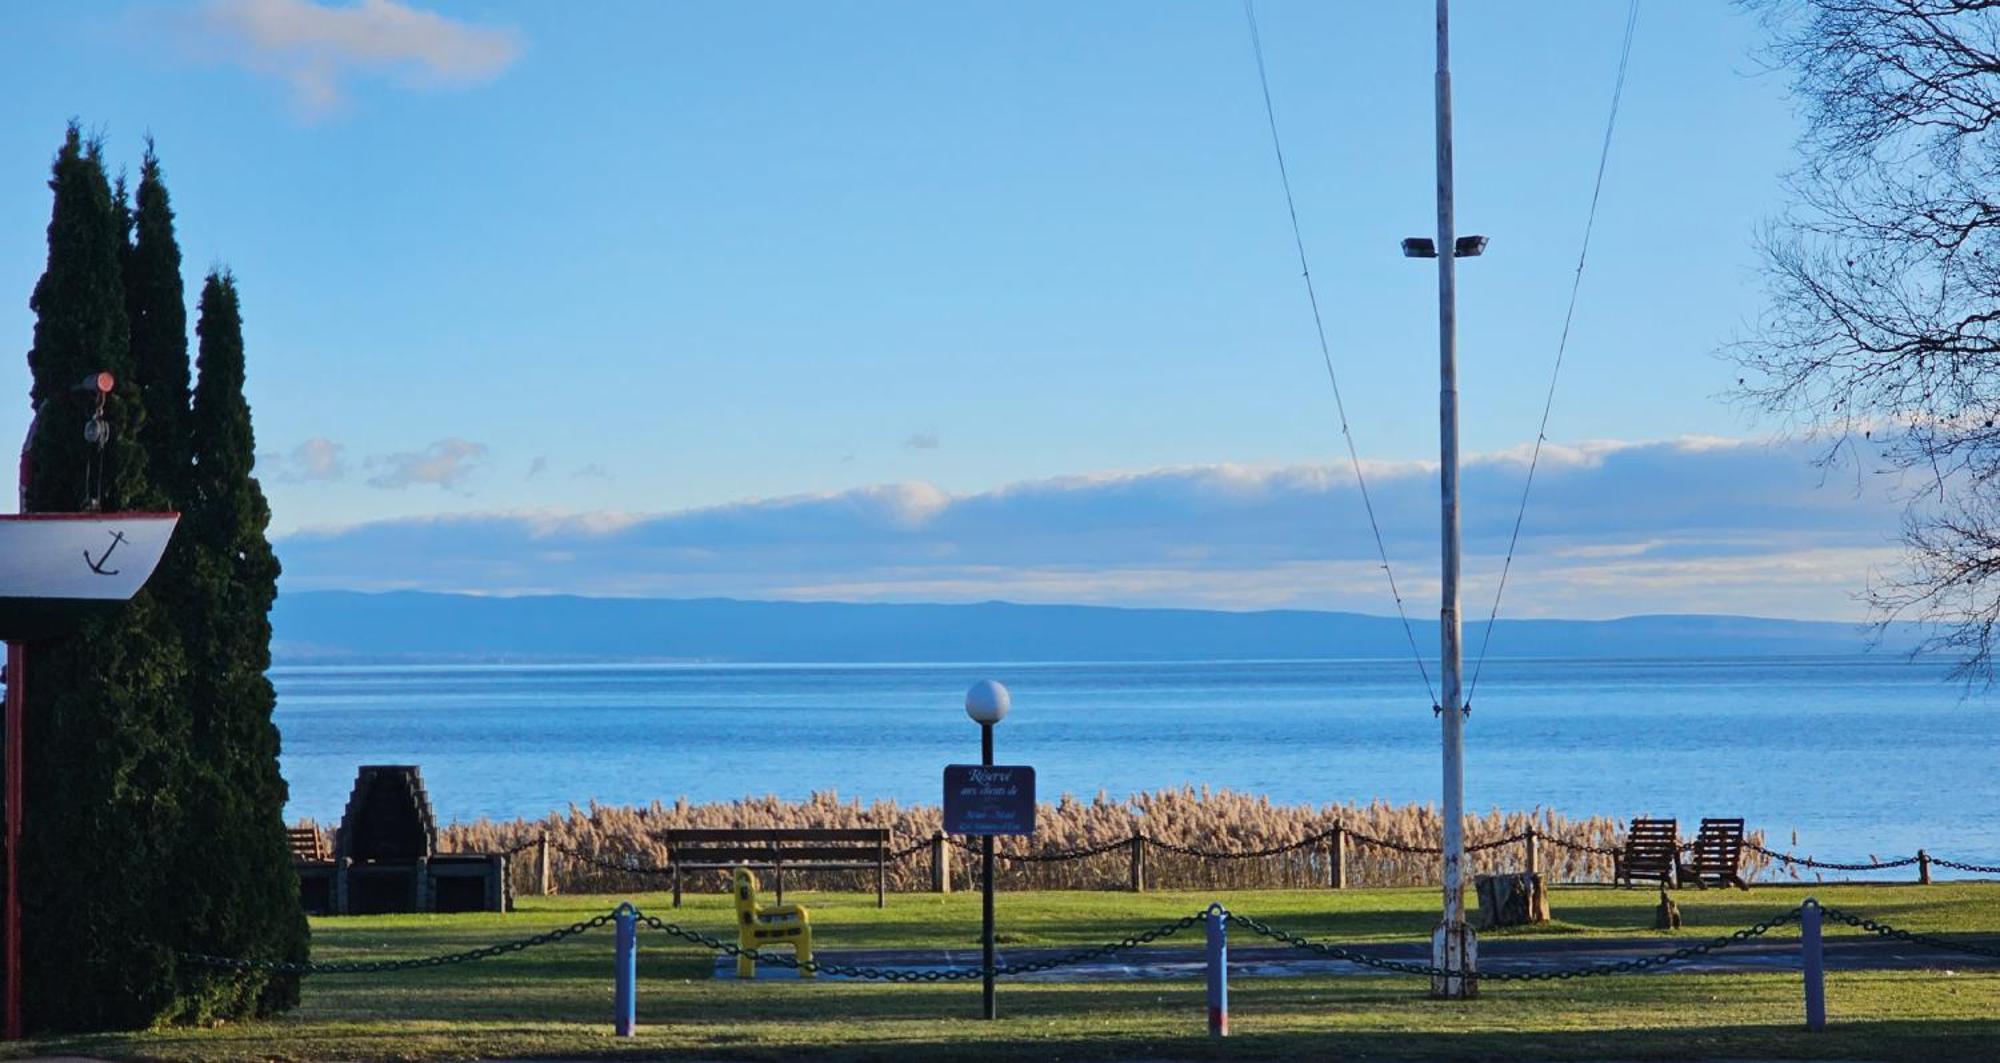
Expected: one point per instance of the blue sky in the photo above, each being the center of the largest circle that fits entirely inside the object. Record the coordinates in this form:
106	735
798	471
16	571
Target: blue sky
532	266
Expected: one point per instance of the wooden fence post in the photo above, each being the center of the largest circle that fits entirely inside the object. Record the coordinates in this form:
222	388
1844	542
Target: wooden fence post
1337	859
1533	859
1139	863
940	863
1923	868
543	881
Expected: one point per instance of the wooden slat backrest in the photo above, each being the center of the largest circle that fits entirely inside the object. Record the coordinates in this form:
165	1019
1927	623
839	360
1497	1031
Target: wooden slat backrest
870	835
1719	846
306	843
1651	842
842	846
730	854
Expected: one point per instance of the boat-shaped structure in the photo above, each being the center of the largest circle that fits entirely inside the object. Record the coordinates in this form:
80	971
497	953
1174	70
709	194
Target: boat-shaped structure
56	569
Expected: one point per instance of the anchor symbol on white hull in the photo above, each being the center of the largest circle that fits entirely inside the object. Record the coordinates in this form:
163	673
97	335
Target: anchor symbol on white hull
97	565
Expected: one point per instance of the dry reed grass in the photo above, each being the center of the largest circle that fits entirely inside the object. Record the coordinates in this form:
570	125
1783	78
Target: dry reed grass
1218	820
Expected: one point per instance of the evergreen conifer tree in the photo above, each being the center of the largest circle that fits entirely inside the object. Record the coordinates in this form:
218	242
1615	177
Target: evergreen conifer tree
104	731
156	309
238	798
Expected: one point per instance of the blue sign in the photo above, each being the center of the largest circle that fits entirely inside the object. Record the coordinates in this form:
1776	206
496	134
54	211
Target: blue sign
989	799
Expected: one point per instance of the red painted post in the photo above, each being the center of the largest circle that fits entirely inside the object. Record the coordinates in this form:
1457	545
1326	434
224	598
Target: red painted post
17	677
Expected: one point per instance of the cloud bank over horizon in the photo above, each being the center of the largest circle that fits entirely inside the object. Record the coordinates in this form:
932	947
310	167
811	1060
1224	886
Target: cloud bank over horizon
1615	528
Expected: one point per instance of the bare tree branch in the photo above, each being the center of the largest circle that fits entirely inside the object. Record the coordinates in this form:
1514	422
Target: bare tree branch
1882	335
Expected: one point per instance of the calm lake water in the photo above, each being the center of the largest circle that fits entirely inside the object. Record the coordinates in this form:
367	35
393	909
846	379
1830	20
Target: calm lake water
1857	755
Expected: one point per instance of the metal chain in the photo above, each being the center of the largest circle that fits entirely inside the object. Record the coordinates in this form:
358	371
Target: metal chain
1887	931
1806	861
376	966
1044	858
944	974
1582	847
1248	854
1642	963
1401	847
1061	855
1497	842
611	865
1984	869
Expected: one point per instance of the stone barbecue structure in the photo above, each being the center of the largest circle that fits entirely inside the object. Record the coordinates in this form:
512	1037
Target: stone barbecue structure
385	856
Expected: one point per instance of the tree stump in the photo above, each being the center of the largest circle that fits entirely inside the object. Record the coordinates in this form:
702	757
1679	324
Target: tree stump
1668	915
1511	900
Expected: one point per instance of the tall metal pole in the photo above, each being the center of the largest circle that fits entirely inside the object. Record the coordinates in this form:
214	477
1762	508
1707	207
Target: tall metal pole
986	888
1453	948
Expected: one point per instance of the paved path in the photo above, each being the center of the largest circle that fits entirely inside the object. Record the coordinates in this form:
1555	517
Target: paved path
1497	954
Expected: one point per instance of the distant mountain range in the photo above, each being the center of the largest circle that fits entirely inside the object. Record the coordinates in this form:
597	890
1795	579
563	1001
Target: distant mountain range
409	626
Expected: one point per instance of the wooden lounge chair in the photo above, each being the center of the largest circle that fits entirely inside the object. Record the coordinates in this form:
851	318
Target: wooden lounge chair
1717	853
307	845
1652	851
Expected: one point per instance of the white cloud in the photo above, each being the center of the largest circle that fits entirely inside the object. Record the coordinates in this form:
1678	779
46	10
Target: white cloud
1615	528
317	460
445	463
318	48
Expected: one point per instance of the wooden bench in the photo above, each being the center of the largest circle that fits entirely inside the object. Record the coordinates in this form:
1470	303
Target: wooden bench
1652	851
781	850
1717	853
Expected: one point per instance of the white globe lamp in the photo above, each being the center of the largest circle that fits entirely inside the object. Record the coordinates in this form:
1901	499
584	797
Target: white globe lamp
987	702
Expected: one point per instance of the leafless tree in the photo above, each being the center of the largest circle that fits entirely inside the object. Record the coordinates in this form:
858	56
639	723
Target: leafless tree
1882	340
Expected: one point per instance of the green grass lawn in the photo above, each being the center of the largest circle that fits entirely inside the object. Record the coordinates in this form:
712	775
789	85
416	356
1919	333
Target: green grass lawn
556	1000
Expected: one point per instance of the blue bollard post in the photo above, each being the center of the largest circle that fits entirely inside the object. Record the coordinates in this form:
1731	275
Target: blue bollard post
626	988
1815	964
1218	971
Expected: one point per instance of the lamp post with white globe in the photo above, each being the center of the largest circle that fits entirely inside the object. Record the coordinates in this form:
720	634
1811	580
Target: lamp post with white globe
987	703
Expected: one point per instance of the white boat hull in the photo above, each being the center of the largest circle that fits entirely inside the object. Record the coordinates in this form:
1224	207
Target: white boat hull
58	568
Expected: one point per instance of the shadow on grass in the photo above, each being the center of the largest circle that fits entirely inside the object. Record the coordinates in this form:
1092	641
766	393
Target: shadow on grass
1968	1039
1016	1039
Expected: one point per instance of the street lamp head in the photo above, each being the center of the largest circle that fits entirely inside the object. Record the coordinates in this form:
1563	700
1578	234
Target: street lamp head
1419	247
986	702
1468	247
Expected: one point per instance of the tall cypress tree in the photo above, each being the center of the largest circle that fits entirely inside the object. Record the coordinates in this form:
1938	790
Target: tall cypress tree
156	309
104	732
237	805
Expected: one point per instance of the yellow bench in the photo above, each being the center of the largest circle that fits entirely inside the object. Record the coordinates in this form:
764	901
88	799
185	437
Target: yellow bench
761	925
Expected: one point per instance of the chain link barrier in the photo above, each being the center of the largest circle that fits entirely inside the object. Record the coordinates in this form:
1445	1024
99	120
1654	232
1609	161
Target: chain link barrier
1641	963
1046	857
1830	865
1098	952
610	865
929	974
1247	854
1581	847
381	966
1894	933
1983	869
1198	852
